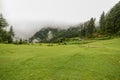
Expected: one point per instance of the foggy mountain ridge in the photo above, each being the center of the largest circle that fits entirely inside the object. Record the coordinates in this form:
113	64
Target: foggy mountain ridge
25	29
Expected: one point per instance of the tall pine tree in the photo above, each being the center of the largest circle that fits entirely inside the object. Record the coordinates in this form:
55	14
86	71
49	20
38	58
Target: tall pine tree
3	32
90	28
112	22
102	23
10	35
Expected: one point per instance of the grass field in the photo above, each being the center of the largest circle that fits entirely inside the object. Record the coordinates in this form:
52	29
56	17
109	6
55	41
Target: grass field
99	60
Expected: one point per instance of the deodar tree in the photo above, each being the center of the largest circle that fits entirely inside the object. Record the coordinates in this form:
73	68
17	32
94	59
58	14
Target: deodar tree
10	35
5	36
102	23
3	33
112	23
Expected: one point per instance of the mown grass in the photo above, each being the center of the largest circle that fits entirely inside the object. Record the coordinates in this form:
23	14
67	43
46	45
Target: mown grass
99	60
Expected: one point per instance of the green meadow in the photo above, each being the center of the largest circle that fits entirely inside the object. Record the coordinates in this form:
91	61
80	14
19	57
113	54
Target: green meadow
96	60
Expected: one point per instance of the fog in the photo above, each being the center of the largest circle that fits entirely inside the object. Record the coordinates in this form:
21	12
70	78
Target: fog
26	29
28	16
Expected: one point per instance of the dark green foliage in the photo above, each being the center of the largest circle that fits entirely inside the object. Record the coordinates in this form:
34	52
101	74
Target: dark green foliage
102	23
58	35
73	32
90	28
113	20
3	22
5	36
3	32
43	34
10	35
82	30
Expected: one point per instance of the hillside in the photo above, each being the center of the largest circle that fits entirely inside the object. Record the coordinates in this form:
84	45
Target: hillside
109	25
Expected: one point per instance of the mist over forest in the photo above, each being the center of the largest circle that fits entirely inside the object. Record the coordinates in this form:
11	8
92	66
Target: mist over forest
34	26
34	15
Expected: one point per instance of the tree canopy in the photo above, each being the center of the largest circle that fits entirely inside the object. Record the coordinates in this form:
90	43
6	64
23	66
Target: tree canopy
5	36
112	23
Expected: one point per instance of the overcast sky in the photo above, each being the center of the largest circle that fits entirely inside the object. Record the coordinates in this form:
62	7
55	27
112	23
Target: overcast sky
67	11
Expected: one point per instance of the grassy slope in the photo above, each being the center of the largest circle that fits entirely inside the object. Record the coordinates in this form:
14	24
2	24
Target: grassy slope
99	60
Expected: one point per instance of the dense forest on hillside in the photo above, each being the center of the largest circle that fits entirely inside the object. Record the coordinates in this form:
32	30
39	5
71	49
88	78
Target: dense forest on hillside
109	24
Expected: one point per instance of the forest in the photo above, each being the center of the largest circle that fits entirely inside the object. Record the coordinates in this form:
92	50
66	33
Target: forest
108	25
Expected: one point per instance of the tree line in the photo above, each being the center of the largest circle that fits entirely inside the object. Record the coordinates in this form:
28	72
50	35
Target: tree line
6	36
109	24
